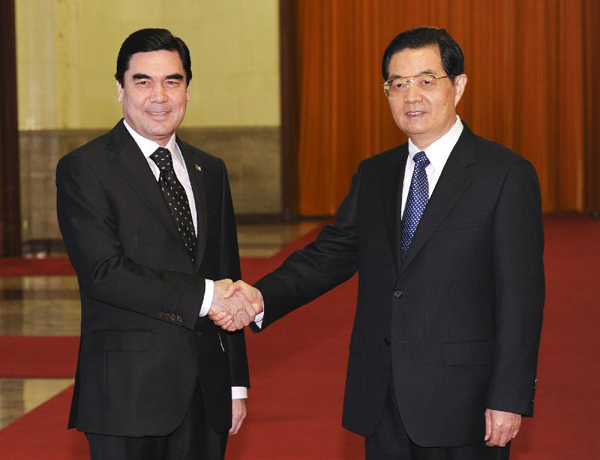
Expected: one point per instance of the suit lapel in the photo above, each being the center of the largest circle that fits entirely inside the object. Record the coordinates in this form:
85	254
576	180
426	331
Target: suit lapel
131	163
392	180
452	183
196	174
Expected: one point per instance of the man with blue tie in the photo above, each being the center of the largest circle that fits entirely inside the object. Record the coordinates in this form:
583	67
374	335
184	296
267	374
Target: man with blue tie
446	234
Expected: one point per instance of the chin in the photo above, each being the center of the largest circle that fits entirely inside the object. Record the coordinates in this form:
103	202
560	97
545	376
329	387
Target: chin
158	130
414	130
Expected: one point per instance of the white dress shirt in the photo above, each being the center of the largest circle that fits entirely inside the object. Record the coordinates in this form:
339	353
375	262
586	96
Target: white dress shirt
148	147
437	153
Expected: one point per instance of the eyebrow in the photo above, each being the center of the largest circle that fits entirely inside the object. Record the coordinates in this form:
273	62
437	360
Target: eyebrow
140	76
143	76
420	73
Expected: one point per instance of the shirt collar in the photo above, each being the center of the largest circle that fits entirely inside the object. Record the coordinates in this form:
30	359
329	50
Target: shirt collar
440	150
148	147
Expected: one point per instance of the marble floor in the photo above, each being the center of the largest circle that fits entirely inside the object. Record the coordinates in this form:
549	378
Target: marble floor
49	305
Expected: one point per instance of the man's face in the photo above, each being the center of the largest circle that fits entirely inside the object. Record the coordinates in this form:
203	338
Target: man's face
424	116
155	94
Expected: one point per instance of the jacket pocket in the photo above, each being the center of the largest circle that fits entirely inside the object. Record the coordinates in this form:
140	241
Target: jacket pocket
468	353
119	340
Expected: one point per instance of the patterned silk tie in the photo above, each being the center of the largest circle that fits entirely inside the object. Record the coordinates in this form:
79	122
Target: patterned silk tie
418	196
176	198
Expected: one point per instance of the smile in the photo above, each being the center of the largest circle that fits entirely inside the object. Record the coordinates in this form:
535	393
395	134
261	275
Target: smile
414	114
157	114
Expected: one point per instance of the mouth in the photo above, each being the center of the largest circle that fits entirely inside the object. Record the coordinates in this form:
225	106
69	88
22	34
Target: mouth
414	113
157	114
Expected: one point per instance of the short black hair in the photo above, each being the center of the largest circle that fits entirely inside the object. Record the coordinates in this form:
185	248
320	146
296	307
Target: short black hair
145	40
453	60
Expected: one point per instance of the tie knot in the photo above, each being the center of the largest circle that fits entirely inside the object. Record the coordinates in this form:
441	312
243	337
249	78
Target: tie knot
162	158
421	160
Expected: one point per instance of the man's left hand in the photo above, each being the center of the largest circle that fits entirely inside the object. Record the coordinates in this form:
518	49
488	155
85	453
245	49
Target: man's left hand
500	427
229	312
239	292
238	414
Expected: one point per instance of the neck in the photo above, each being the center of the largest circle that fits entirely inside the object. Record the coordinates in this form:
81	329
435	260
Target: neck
425	140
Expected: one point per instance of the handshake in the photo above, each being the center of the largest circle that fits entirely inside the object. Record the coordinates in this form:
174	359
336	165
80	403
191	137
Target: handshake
235	305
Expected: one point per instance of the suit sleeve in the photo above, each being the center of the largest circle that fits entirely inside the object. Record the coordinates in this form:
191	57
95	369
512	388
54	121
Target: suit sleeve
90	233
230	268
322	265
520	290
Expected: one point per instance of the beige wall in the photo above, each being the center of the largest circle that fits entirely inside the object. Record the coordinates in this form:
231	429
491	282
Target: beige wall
66	54
66	58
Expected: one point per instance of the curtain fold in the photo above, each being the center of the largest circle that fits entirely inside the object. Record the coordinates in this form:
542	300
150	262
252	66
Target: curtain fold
533	86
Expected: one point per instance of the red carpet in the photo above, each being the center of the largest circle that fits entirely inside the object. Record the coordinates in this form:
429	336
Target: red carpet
38	357
566	421
42	434
298	370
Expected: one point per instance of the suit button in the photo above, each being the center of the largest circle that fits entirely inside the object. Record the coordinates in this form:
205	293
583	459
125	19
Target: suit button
172	316
160	314
387	341
179	318
398	293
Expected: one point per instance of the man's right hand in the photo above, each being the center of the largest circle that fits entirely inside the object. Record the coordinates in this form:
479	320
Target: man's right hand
238	292
228	311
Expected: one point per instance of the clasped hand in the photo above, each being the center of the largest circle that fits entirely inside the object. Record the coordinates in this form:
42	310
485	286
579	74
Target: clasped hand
235	305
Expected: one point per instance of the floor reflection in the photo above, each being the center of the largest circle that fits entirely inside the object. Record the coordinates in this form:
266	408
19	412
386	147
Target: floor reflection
39	305
19	396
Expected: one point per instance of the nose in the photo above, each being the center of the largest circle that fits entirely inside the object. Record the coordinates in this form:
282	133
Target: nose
158	94
412	92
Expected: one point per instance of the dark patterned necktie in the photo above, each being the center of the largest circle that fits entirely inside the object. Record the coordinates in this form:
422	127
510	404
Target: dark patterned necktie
176	199
418	196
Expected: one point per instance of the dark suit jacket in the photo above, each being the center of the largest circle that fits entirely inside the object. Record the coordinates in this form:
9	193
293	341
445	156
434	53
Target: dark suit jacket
457	323
143	346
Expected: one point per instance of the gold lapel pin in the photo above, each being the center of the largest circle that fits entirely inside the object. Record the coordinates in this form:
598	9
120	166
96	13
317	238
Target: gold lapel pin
198	168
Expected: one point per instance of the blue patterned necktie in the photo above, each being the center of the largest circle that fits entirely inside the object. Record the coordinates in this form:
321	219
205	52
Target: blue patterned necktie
176	199
418	196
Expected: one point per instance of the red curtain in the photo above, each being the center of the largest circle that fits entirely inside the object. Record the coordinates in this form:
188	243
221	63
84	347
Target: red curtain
533	86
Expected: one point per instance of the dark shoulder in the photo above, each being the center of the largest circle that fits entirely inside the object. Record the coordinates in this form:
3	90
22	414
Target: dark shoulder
90	156
390	156
95	150
203	158
495	162
90	149
496	153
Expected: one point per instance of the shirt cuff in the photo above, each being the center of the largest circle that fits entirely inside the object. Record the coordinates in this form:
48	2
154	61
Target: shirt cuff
209	290
239	393
258	319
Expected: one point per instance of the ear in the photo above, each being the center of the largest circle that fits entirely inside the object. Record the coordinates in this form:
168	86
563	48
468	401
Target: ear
187	93
460	83
119	91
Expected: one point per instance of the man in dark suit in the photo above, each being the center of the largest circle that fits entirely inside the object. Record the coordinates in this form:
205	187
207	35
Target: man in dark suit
446	235
148	223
